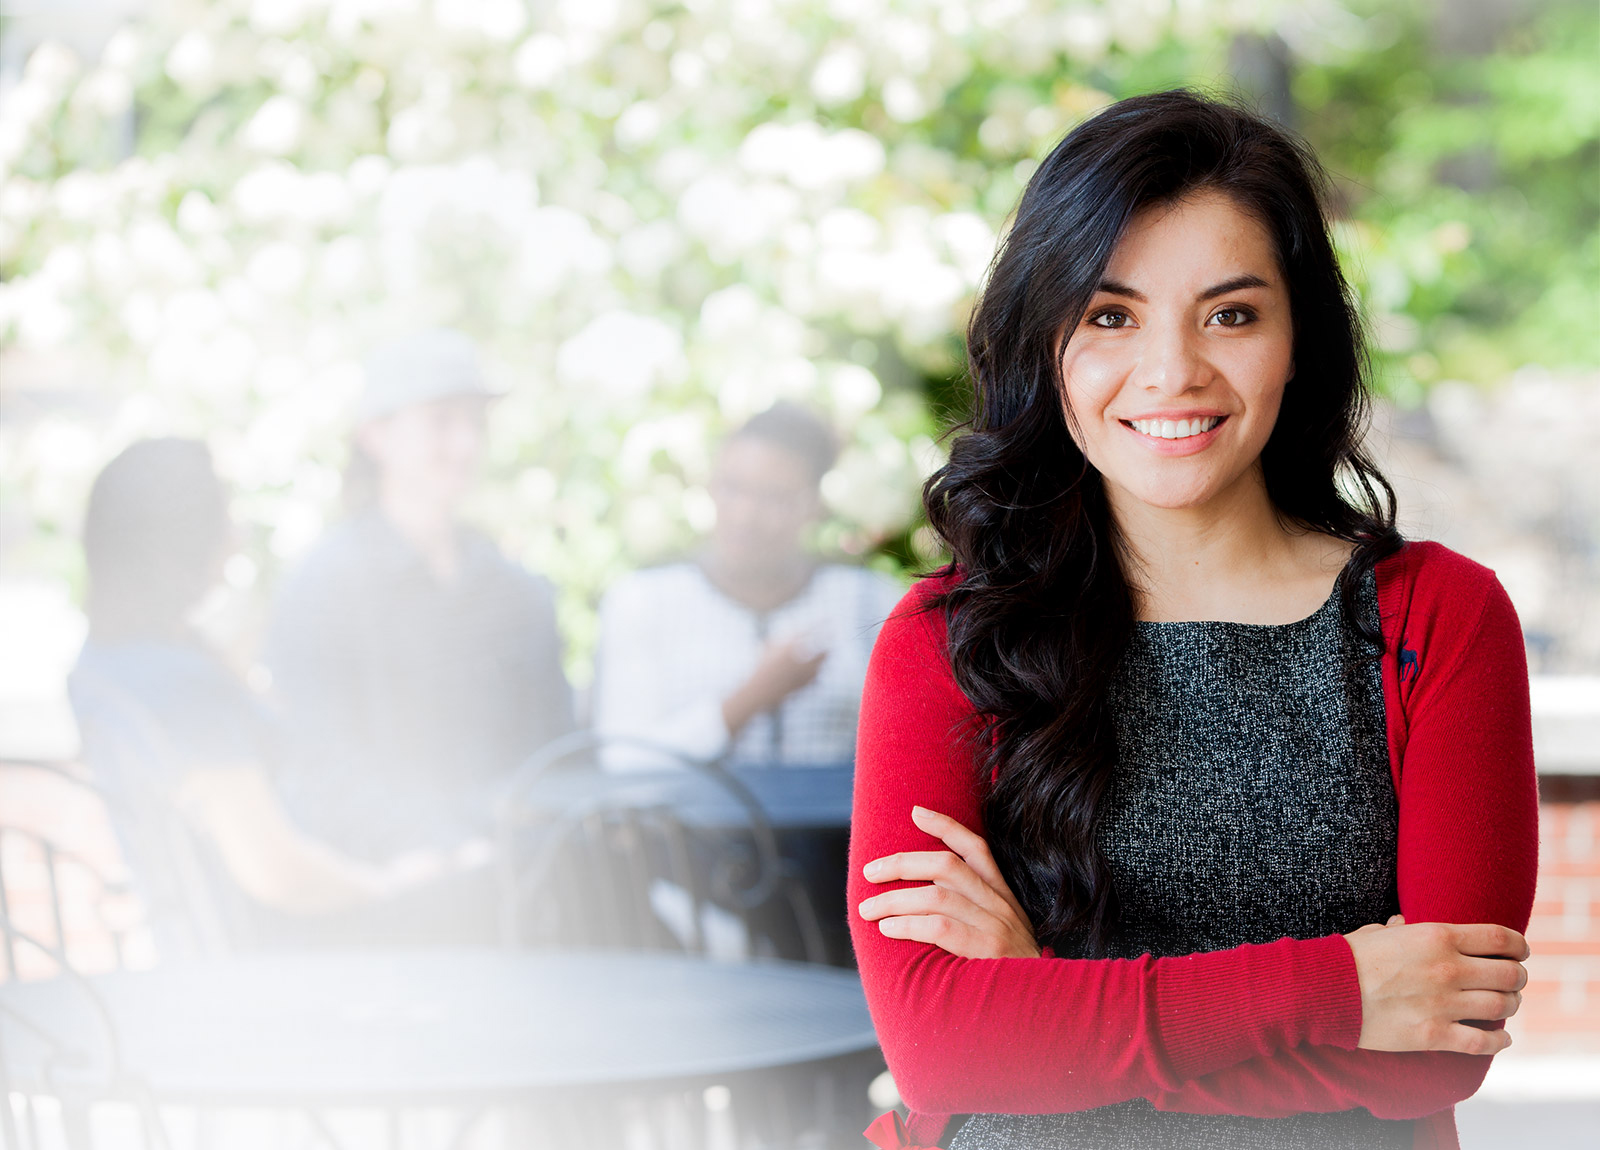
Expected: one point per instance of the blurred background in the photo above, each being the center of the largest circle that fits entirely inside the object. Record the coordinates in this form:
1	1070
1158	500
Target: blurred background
654	221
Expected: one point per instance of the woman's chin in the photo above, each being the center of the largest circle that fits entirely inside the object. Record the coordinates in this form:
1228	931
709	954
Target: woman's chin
1168	496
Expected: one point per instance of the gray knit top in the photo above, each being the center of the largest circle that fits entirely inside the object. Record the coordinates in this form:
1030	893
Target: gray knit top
1252	800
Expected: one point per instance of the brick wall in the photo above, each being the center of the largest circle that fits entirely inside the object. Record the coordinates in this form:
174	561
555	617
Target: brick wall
1561	1007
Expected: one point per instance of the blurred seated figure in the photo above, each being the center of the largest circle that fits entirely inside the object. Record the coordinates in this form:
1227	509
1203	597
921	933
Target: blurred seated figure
179	745
417	665
753	649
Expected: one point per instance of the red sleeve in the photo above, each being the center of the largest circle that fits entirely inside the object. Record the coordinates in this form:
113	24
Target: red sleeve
1044	1035
1468	840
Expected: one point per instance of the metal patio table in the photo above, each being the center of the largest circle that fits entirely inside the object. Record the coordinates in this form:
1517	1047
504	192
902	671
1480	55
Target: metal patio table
445	1027
789	798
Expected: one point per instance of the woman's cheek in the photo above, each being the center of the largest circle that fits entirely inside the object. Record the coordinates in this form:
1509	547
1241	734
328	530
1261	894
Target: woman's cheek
1259	377
1093	377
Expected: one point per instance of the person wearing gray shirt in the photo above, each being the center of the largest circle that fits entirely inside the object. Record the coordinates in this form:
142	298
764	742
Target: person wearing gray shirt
416	664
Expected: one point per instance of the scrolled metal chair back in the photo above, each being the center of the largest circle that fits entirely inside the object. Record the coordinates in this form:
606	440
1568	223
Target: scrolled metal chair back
613	862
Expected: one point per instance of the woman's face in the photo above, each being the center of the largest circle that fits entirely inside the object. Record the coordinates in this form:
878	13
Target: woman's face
1174	376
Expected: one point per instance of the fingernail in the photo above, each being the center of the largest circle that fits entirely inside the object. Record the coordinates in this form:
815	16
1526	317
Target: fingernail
872	869
918	811
865	903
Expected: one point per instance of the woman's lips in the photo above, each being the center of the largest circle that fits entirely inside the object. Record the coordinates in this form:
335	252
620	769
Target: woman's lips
1176	436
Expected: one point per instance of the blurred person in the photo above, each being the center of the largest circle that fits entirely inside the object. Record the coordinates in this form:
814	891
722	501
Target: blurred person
198	744
416	664
754	652
753	649
1194	806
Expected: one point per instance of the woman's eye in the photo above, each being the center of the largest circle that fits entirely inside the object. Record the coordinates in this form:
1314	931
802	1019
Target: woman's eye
1110	319
1233	317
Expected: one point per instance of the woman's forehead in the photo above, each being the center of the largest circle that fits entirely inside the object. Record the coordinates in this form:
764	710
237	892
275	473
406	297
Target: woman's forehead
1207	236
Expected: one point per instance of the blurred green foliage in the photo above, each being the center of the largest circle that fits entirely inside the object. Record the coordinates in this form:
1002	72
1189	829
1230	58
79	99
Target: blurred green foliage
1472	186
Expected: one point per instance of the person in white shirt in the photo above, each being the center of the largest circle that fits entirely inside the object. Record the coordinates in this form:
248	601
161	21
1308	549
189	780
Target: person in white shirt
753	650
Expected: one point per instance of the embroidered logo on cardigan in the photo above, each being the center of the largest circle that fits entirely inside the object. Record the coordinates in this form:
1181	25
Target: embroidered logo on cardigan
1410	666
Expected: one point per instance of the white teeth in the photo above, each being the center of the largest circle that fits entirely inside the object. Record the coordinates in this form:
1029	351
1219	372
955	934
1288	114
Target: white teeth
1180	429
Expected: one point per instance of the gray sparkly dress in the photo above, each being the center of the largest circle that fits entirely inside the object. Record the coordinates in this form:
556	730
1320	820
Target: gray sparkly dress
1252	801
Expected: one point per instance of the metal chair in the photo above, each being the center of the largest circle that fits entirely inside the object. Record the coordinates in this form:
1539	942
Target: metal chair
191	908
591	858
75	1072
31	911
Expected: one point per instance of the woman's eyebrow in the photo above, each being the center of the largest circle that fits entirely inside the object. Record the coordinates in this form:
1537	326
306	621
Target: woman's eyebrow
1113	287
1237	283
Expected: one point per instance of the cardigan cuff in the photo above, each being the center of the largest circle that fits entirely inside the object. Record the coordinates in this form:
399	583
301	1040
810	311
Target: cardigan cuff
1219	1008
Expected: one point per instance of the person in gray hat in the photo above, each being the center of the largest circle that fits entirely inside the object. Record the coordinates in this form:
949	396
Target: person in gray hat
416	664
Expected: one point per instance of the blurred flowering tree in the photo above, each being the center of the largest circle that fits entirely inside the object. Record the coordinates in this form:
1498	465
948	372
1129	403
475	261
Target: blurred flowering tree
656	218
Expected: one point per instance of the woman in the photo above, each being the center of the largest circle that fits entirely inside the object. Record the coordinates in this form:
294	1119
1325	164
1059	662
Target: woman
1185	723
181	747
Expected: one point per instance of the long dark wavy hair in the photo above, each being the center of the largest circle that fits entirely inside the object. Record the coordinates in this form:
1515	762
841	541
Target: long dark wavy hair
1037	600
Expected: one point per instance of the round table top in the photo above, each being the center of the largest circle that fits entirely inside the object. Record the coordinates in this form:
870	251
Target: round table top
442	1024
791	797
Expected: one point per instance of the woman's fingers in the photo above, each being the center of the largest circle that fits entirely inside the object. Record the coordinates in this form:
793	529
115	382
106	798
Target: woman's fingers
1492	974
970	845
967	843
1465	1039
946	933
979	937
1488	1005
968	910
942	868
1489	940
916	866
920	900
956	836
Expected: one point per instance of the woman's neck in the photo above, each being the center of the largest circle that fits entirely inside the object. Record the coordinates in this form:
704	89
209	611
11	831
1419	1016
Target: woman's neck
1234	559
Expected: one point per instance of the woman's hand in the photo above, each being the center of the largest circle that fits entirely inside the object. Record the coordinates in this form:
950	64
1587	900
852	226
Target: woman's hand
967	908
1419	982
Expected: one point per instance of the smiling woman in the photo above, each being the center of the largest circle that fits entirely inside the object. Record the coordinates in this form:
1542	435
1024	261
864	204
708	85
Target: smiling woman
1168	362
1184	353
1154	845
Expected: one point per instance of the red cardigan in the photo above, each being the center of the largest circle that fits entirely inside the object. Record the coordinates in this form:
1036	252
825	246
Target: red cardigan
1266	1030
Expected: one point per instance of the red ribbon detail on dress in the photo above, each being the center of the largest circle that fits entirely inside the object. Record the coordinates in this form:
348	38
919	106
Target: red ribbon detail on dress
889	1133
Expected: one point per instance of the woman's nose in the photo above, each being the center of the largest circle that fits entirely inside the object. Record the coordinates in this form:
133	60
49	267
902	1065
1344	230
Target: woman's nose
1172	364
